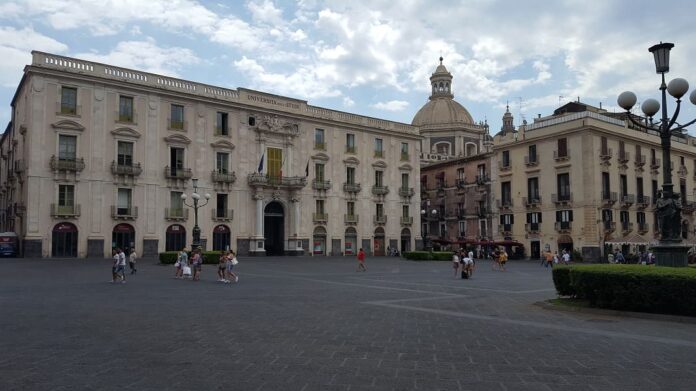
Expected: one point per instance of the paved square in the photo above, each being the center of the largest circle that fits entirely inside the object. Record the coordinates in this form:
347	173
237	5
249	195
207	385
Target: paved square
316	324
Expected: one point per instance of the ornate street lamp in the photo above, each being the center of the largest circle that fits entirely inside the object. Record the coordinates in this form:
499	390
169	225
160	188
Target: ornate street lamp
195	196
427	243
669	252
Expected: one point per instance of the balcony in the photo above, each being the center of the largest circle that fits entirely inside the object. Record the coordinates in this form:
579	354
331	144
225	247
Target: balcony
379	220
563	227
642	201
119	213
504	166
624	157
406	192
351	187
177	173
176	214
461	183
321	146
351	219
221	176
531	161
627	200
379	154
654	163
320	218
67	109
65	211
482	179
626	227
380	190
268	181
405	157
609	198
126	169
125	118
532	202
505	204
175	124
222	214
532	228
406	220
65	164
321	185
350	149
505	229
560	156
562	199
609	226
642	228
221	131
482	211
640	161
605	153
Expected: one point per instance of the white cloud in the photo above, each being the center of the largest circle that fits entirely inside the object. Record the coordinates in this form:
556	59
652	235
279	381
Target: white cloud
15	51
347	102
161	60
392	105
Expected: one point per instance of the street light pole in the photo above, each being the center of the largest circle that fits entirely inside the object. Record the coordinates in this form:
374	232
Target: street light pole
196	197
669	252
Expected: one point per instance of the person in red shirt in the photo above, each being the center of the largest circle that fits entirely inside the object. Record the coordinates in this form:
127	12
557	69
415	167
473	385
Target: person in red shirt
361	261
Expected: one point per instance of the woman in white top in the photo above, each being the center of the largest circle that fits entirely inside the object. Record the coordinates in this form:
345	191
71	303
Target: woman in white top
131	261
455	263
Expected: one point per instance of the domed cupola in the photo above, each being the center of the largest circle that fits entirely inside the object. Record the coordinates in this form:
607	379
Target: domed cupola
441	82
442	109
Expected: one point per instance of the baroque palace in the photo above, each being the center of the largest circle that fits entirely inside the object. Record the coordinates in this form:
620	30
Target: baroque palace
98	156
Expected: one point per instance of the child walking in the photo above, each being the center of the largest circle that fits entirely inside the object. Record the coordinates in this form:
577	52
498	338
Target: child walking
361	261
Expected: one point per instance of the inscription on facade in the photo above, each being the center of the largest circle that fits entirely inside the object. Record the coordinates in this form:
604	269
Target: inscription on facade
271	101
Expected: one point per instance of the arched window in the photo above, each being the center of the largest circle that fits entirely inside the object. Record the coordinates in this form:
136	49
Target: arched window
351	243
175	238
221	238
471	149
319	238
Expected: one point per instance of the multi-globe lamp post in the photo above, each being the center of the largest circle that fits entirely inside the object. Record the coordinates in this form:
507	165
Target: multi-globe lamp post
195	197
427	243
669	251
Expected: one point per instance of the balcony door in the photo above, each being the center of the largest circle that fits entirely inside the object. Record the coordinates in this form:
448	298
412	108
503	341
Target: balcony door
275	162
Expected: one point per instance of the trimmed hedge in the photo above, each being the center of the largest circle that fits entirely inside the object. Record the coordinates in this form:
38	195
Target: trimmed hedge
209	257
630	287
428	255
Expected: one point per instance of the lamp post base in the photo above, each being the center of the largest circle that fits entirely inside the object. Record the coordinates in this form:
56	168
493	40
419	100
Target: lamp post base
673	255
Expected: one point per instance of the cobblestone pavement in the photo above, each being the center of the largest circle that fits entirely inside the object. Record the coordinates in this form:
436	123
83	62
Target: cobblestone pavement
316	324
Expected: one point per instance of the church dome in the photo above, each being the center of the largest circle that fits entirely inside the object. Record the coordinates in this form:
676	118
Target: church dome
442	111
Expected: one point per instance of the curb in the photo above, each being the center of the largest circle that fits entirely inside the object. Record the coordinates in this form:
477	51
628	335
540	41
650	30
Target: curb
624	314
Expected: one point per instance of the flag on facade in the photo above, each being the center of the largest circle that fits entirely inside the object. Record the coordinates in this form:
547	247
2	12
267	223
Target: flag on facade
261	162
306	170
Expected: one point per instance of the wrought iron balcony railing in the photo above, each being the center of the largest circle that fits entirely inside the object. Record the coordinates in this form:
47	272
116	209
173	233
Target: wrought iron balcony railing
67	164
65	211
176	214
222	214
133	169
121	213
177	173
221	176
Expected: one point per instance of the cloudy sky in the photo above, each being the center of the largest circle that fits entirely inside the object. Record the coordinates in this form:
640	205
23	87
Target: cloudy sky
372	58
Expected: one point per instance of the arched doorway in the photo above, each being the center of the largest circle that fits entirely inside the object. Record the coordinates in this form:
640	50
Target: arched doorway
405	240
123	237
221	238
273	228
64	240
565	242
351	241
176	238
379	241
319	241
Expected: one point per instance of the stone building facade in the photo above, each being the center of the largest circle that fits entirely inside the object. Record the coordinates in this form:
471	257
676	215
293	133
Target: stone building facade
98	156
585	179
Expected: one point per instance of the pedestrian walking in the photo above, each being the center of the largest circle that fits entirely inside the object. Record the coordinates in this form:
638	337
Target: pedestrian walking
132	259
181	263
222	267
548	259
467	266
361	261
565	257
496	259
197	264
231	263
619	257
114	266
503	259
121	270
555	258
455	263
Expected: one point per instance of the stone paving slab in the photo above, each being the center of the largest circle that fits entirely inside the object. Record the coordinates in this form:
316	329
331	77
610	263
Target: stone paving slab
315	324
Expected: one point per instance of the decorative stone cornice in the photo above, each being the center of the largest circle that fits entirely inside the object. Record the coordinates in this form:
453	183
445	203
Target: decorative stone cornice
405	167
321	157
222	144
379	164
351	161
177	139
126	132
67	124
270	125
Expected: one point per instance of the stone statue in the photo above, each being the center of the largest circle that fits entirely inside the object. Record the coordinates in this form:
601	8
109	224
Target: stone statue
669	216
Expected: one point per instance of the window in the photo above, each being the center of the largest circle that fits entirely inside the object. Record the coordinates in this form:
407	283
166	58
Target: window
506	192
176	204
507	220
606	188
68	100
66	195
562	147
653	158
380	210
462	229
221	124
350	208
404	211
124	202
639	154
404	151
350	175
125	109
622	149
176	161
604	148
483	229
639	188
319	204
222	162
350	143
379	152
654	191
563	218
125	153
404	180
682	190
681	160
319	142
67	147
534	219
623	216
461	174
532	189
275	162
506	159
563	183
607	215
319	172
532	154
379	178
221	205
460	209
481	169
623	183
177	117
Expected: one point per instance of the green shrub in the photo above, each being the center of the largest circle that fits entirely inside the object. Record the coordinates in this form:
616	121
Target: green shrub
631	287
209	257
428	255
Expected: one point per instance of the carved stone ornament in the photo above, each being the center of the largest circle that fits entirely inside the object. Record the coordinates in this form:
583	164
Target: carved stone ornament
276	125
275	195
295	198
257	196
99	94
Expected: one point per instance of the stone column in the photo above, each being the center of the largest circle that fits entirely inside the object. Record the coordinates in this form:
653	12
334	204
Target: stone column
259	215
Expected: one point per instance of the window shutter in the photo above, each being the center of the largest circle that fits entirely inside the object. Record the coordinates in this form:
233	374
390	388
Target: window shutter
529	218
558	216
502	219
539	216
512	219
570	215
